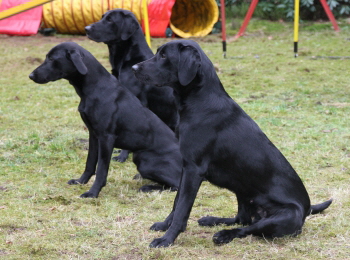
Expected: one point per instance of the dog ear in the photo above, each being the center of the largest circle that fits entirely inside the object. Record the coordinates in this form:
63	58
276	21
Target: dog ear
189	64
130	25
77	60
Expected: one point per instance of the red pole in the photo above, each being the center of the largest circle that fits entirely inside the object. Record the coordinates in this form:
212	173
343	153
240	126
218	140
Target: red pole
247	18
223	26
330	15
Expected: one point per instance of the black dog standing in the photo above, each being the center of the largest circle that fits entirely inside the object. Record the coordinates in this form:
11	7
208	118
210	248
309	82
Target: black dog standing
115	118
220	142
120	30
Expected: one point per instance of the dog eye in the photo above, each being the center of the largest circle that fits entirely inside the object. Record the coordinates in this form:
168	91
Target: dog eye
162	55
109	19
50	58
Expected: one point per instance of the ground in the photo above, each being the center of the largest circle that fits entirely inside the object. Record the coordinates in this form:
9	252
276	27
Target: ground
302	104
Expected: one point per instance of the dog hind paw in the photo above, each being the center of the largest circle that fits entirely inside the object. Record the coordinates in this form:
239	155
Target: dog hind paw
120	158
150	188
159	226
73	182
137	177
207	221
226	236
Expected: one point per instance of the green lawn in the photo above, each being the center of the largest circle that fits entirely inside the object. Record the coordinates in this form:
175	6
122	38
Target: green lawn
302	104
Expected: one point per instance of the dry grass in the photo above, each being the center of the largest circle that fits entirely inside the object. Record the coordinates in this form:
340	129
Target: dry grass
302	105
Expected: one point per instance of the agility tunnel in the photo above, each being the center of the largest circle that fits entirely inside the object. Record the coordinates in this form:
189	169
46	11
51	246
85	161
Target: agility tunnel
186	18
23	23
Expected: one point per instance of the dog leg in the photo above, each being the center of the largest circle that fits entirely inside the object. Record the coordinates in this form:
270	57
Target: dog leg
105	150
210	221
122	157
243	217
162	170
285	223
91	162
187	193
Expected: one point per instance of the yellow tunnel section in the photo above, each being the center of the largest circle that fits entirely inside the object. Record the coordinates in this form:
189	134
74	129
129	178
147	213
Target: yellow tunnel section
71	16
189	18
193	18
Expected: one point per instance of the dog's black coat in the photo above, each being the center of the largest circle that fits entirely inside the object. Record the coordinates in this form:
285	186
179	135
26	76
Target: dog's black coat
120	30
115	118
221	143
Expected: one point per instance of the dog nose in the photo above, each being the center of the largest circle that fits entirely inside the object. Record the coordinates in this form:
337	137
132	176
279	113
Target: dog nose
88	28
31	76
135	67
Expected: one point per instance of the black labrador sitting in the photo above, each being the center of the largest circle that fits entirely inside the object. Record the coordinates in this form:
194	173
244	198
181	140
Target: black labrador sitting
120	30
221	143
115	118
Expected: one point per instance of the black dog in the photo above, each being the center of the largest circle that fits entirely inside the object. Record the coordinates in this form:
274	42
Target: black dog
220	142
115	118
120	30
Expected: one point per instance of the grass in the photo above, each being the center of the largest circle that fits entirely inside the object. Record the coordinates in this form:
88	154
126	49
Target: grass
302	104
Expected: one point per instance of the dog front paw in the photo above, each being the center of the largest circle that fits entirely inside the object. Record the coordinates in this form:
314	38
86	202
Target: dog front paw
89	194
161	242
226	236
159	226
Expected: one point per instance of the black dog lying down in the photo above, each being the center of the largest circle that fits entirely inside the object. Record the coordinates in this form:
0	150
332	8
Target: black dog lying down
120	30
221	143
115	118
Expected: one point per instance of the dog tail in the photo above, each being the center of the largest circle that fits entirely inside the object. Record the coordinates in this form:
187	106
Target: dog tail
315	209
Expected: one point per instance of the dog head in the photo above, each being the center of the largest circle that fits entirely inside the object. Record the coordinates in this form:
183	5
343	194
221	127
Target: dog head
175	63
61	61
115	26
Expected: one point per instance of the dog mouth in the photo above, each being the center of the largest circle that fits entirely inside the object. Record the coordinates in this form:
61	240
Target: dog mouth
143	78
40	80
37	78
148	80
92	37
